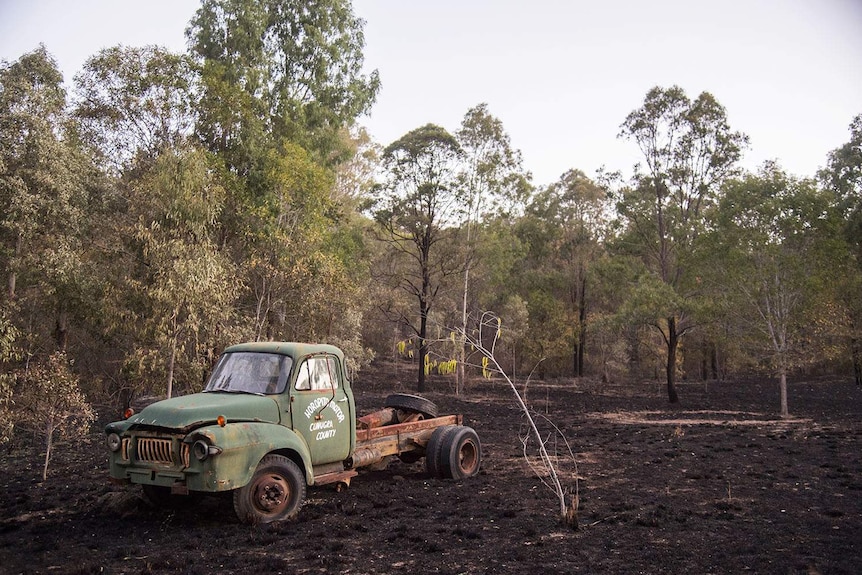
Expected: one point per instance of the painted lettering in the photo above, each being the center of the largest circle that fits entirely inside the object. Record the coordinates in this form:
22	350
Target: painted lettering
338	413
318	425
325	434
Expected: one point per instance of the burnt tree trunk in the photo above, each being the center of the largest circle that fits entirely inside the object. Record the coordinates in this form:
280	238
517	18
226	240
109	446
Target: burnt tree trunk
672	343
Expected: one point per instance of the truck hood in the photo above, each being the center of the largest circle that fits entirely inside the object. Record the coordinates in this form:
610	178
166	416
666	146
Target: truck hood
194	410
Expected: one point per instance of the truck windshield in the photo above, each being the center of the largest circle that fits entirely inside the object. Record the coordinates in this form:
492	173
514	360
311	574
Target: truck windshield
249	372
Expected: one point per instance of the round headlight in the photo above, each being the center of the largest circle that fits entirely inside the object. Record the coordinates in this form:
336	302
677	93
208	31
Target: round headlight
114	442
201	449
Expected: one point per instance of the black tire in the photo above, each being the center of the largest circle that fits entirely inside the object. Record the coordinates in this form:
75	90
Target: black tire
434	449
276	492
460	454
407	402
161	497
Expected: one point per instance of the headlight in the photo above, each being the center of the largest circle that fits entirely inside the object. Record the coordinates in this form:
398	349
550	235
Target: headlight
114	442
201	449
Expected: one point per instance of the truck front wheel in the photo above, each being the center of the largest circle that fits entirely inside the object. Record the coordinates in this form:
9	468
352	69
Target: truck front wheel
276	492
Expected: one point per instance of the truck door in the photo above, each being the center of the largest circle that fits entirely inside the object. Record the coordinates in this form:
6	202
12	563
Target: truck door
321	410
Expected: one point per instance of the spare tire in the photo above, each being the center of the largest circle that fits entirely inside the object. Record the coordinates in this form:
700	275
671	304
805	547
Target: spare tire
407	402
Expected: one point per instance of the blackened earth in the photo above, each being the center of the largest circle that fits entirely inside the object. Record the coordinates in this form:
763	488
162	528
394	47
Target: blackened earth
715	484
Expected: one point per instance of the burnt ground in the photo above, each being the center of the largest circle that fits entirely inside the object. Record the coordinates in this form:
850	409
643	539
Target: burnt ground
716	484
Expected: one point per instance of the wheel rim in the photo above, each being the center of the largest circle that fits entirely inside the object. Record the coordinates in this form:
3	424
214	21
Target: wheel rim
271	494
468	457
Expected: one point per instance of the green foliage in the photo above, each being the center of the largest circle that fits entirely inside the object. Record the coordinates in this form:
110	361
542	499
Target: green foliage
133	102
776	240
286	69
49	402
179	286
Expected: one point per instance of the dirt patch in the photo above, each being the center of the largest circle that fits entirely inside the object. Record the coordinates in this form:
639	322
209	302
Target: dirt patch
716	485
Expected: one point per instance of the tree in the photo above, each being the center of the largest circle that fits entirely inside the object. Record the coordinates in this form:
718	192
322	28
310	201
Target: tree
134	102
843	176
285	69
689	151
420	205
574	208
492	177
43	196
777	239
49	402
178	291
9	353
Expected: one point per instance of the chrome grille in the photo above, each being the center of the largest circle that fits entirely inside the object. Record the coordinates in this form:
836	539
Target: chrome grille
184	454
125	448
154	450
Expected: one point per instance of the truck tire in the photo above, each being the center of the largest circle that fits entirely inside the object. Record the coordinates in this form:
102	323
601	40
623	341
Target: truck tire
415	403
460	453
276	492
434	450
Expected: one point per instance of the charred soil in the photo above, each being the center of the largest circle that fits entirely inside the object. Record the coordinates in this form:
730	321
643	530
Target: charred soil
715	484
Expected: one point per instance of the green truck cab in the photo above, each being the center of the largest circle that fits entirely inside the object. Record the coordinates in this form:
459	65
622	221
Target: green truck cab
274	418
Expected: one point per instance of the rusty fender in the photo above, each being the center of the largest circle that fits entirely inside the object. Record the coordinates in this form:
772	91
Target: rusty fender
243	445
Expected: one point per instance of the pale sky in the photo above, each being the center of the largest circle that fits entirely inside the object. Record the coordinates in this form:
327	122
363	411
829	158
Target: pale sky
561	75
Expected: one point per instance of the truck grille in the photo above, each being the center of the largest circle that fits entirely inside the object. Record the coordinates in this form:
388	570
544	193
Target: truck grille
153	450
159	451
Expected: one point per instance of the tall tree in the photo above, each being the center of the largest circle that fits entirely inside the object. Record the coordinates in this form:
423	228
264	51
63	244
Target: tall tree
289	69
420	202
134	102
177	294
281	86
43	199
843	175
689	150
777	243
493	178
577	208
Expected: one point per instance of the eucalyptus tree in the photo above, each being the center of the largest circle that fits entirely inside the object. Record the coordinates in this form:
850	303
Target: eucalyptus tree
132	103
843	176
777	245
492	180
689	150
281	85
563	229
176	300
418	210
579	207
43	196
289	69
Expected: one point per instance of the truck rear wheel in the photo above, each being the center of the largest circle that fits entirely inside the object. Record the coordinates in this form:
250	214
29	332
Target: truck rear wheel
460	453
276	492
434	450
407	402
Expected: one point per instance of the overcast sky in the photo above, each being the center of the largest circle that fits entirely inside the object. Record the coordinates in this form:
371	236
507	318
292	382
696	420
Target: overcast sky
561	75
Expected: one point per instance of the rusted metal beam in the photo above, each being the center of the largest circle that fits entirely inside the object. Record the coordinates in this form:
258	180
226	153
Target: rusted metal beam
405	428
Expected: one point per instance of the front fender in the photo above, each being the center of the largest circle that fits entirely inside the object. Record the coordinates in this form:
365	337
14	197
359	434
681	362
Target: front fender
242	447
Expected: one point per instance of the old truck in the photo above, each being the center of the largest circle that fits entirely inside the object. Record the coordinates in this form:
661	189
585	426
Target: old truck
273	419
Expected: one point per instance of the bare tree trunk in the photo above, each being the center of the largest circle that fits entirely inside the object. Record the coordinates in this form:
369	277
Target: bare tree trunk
13	276
62	328
461	374
672	343
582	327
782	386
856	350
171	362
49	445
423	343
